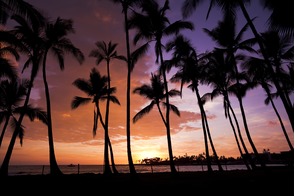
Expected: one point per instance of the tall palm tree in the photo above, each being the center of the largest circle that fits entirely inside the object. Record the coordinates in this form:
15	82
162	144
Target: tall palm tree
257	69
219	77
227	39
31	37
97	90
12	95
126	5
152	24
107	52
56	42
156	93
229	8
185	59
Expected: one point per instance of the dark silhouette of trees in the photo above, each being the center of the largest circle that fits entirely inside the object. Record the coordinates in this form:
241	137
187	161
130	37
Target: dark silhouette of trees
282	55
12	94
152	24
57	43
156	93
97	90
30	37
107	52
128	5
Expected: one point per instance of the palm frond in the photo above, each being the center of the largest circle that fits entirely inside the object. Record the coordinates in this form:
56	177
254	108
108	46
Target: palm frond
77	101
143	112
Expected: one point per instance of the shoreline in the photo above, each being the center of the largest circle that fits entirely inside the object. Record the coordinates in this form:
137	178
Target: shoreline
279	180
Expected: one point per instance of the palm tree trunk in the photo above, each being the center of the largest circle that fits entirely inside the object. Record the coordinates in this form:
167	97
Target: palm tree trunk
248	158
248	134
129	70
211	141
289	108
280	119
4	129
236	137
115	171
106	166
163	72
107	118
208	159
54	169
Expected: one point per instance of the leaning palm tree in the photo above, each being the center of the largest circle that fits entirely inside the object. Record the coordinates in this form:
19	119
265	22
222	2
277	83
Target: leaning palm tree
219	77
156	93
56	42
30	37
257	70
186	61
12	95
231	42
97	90
152	24
229	8
107	52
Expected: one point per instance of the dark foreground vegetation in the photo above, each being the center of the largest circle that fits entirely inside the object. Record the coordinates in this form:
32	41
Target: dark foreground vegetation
275	181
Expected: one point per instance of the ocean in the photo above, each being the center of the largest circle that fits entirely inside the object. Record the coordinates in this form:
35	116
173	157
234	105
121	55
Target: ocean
98	169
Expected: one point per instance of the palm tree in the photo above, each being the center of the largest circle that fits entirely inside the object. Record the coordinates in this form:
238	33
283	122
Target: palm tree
126	5
230	42
30	36
106	52
97	90
152	24
218	76
229	7
156	93
258	72
185	59
56	42
12	95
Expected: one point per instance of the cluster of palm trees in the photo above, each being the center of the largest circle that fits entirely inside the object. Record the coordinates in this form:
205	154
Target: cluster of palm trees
232	68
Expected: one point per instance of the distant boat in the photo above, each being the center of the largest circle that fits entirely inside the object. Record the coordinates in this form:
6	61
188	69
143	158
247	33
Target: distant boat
71	165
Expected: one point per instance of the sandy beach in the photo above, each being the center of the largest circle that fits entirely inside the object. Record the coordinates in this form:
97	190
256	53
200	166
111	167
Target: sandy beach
275	181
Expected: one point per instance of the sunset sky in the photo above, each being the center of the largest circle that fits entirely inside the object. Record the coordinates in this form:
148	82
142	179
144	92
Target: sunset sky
101	20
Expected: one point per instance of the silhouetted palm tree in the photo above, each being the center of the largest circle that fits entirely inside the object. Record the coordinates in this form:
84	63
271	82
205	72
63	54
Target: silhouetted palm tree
107	52
152	24
218	76
97	90
57	43
12	94
229	8
185	59
126	5
31	37
156	93
258	72
227	39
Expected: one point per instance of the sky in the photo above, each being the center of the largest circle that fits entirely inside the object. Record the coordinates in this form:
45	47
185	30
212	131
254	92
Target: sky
101	20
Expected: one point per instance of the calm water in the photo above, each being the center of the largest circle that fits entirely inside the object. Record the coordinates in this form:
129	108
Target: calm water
98	169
